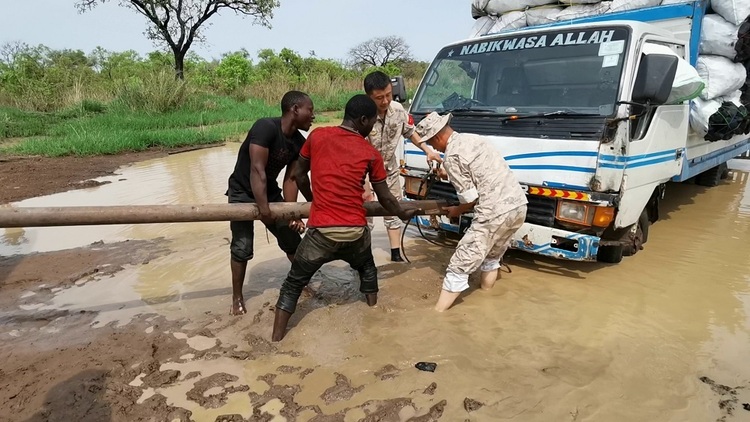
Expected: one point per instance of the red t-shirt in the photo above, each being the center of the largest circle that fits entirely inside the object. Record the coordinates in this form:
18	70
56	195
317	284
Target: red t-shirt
339	161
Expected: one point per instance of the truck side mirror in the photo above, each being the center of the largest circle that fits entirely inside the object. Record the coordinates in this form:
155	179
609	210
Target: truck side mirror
653	84
399	89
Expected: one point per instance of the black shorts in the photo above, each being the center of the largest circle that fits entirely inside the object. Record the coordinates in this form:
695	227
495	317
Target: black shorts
243	232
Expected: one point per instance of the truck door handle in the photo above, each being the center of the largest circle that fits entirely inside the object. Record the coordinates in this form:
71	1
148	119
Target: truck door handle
678	154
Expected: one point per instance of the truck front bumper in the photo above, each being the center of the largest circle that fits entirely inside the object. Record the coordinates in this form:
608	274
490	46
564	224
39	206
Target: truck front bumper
556	243
539	240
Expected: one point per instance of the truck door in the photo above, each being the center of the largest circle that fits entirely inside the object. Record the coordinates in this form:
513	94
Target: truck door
657	144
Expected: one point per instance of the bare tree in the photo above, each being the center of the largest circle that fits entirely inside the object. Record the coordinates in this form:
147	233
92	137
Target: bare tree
178	23
380	51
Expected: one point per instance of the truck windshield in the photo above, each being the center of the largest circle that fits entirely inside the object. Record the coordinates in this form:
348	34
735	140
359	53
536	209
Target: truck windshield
553	71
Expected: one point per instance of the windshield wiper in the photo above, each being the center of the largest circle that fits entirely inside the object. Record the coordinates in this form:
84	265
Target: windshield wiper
470	109
548	115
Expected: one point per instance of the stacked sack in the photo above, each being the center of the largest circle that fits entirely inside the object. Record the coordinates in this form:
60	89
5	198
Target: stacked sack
724	61
720	112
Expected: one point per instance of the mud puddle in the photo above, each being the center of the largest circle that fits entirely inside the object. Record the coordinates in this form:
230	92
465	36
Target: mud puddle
662	336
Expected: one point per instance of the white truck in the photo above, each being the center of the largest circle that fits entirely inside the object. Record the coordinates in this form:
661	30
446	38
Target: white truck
578	111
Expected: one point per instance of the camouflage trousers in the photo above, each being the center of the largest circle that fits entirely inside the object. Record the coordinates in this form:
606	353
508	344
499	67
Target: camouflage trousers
482	247
394	185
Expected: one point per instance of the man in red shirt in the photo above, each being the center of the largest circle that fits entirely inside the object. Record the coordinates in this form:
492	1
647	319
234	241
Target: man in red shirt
339	159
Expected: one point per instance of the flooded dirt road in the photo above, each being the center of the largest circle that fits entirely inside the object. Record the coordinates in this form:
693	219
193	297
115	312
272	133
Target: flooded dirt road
146	335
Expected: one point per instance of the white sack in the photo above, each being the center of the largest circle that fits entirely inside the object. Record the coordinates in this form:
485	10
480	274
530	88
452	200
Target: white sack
498	7
582	10
623	5
574	2
510	20
478	6
482	26
718	36
734	11
700	112
676	1
734	97
687	82
542	15
721	76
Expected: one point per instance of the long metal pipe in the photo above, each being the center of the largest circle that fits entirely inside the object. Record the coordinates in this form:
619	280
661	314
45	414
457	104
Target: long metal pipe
148	214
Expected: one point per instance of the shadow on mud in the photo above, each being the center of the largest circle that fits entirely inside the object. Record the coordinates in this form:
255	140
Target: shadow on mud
80	398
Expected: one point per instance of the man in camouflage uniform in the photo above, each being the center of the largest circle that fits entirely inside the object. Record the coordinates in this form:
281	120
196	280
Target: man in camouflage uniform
392	126
484	182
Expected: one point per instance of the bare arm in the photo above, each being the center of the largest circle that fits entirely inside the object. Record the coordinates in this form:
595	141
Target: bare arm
303	180
390	203
258	182
431	154
458	210
290	183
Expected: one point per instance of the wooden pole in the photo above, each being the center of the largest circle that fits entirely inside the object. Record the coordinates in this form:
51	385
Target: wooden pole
149	214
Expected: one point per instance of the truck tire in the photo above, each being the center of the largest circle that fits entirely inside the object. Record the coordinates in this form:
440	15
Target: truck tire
710	177
635	238
610	254
724	171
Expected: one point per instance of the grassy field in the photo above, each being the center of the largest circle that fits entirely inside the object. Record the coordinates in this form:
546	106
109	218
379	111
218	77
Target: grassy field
97	129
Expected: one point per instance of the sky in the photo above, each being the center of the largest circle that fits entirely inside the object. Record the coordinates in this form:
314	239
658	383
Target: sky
327	27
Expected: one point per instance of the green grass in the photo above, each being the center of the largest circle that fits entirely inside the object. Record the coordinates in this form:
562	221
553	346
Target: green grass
92	128
78	131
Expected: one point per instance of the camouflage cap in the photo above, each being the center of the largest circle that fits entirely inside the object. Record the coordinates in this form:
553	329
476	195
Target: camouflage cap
431	125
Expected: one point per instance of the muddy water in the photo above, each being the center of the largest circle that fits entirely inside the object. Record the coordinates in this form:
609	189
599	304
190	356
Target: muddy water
553	341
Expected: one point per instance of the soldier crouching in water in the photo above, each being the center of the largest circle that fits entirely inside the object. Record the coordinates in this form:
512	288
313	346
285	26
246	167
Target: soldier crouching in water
338	159
484	182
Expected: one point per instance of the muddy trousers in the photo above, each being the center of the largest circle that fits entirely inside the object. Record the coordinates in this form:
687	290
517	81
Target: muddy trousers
482	248
317	250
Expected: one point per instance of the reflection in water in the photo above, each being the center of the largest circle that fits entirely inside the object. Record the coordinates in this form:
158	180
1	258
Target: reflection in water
14	237
553	341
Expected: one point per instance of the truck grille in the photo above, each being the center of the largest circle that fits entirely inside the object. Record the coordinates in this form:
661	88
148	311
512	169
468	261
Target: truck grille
540	209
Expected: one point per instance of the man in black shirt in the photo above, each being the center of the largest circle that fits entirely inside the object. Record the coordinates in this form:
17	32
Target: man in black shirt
271	145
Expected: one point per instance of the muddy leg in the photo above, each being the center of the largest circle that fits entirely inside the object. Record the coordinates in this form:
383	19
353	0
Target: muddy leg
359	256
488	279
445	300
307	290
453	285
314	251
238	280
280	321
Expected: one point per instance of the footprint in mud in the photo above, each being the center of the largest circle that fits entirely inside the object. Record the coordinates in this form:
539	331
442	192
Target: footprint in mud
161	378
213	383
471	405
343	390
286	369
728	400
387	372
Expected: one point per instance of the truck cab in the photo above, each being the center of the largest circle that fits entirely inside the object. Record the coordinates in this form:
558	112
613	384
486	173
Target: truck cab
580	113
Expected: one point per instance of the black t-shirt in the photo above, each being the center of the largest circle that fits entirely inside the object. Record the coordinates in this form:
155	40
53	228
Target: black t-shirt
282	151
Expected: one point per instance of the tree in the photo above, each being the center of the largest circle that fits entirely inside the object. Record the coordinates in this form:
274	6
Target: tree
379	52
179	23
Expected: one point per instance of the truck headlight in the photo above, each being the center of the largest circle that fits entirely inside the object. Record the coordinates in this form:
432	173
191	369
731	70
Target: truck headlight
584	214
574	212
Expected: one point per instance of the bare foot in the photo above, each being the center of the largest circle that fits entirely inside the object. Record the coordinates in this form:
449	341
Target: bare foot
238	306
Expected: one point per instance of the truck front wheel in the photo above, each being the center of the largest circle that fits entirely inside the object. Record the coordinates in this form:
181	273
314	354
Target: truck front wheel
637	236
610	254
